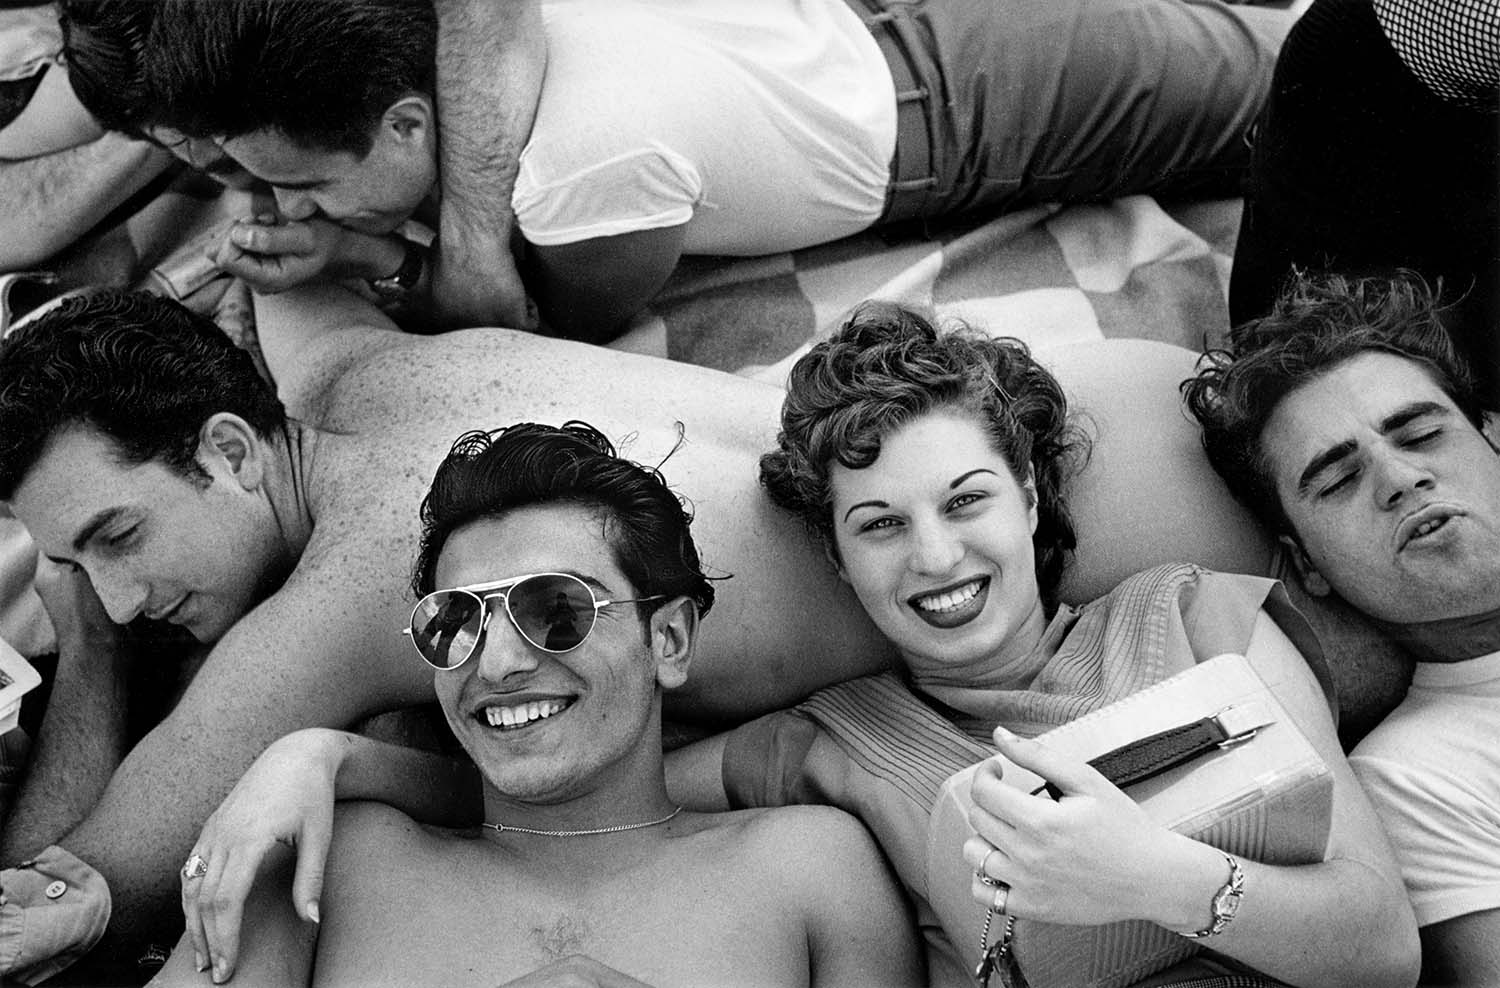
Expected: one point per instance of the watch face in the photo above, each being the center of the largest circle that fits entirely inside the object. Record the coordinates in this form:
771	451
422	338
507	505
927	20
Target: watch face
1226	903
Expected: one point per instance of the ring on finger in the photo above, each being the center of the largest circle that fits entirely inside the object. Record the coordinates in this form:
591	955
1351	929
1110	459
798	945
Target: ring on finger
196	866
982	873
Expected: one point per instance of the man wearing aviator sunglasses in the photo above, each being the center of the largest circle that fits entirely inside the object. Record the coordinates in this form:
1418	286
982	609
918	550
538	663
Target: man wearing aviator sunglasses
552	680
553	611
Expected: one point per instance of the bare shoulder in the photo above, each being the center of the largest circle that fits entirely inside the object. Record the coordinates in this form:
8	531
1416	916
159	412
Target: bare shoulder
813	847
373	839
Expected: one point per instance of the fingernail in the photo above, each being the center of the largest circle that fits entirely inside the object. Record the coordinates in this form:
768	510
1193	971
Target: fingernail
312	912
220	971
241	236
1001	734
200	960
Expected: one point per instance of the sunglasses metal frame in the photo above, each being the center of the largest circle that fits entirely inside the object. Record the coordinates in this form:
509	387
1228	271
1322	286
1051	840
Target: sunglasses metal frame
486	592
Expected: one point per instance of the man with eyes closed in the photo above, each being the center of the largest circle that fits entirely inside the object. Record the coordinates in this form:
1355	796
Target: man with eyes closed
1346	420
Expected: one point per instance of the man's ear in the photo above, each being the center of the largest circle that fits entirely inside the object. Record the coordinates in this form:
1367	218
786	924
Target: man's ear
228	447
410	118
1312	580
674	635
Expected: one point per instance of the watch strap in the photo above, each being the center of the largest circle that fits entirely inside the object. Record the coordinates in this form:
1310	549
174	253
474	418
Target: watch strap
1225	903
406	277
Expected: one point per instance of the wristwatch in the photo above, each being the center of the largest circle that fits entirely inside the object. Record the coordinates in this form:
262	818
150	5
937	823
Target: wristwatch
1226	902
404	281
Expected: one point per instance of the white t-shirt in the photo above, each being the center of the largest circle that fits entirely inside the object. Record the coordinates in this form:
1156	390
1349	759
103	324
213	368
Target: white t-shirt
763	125
1432	770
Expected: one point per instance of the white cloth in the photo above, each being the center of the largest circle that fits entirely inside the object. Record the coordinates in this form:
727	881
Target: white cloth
763	126
1432	770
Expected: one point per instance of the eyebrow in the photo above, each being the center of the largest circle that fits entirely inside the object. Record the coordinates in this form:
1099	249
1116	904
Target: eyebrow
1398	419
956	483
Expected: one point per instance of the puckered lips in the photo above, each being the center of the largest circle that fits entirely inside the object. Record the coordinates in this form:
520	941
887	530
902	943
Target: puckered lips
519	711
952	605
1427	526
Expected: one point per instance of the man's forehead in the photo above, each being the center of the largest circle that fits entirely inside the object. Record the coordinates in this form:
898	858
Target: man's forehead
272	157
557	537
1343	405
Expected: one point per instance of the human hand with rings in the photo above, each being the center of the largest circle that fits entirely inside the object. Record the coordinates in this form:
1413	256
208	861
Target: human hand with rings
1091	857
284	801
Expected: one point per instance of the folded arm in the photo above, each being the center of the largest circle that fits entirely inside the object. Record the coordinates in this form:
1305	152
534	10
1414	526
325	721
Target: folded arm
1342	922
588	290
48	202
492	56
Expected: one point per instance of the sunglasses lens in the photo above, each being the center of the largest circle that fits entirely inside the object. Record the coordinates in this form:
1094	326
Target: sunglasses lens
555	613
445	626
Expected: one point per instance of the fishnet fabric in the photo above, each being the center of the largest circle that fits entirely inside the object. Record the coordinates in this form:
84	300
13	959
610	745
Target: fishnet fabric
1452	46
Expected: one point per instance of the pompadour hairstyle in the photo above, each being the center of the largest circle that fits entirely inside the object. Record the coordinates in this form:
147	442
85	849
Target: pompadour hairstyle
487	474
143	370
321	72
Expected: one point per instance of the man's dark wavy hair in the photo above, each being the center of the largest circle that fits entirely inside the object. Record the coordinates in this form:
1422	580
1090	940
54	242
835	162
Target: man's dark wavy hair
487	474
1317	323
321	72
105	42
143	370
889	365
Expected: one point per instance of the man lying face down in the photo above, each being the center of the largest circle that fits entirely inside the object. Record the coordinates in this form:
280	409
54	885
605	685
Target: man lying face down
560	594
1347	422
664	130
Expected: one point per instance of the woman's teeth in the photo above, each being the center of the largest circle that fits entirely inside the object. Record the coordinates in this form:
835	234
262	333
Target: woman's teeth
950	600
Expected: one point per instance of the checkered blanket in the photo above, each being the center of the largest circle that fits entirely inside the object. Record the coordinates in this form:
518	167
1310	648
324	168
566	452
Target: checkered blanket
1128	268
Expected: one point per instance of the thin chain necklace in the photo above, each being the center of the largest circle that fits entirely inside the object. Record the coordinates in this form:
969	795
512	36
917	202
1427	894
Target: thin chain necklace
501	828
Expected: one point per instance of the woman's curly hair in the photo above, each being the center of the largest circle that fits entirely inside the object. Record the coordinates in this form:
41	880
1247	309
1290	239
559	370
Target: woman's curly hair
889	365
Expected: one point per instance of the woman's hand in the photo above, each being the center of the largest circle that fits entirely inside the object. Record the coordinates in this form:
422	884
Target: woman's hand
1091	857
286	797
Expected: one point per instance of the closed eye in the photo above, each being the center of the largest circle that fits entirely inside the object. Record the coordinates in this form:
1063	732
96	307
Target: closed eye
1339	484
1422	438
119	540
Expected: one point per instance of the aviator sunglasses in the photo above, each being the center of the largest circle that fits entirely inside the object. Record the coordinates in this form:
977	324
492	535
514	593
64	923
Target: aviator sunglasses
553	611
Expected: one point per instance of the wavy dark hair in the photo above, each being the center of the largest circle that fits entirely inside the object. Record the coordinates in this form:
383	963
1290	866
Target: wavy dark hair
143	370
321	72
1317	323
105	42
487	474
889	365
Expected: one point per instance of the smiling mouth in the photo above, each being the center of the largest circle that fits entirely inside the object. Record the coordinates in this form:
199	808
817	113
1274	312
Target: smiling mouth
521	715
953	606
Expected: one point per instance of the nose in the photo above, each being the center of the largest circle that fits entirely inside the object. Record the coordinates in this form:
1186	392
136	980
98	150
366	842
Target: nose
1398	476
936	548
502	651
123	596
294	204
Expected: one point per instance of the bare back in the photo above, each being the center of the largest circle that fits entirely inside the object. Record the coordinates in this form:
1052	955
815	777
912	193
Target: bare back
759	898
394	404
785	624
